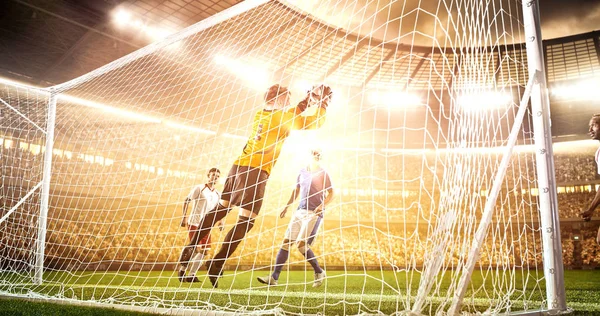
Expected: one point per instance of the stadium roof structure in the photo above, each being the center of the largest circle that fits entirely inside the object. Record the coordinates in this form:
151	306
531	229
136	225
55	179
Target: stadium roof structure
52	42
48	42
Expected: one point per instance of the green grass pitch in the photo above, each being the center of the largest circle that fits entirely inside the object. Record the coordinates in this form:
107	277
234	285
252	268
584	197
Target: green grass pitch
343	293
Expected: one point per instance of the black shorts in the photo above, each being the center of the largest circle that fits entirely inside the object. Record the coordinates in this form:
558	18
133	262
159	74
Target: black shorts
245	187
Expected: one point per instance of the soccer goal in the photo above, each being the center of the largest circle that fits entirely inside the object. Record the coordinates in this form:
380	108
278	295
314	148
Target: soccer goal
437	142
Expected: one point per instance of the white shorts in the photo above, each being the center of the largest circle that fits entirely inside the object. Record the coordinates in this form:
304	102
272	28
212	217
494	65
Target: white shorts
303	226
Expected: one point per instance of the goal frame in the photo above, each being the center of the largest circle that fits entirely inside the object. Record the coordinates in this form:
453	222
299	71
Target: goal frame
546	178
548	202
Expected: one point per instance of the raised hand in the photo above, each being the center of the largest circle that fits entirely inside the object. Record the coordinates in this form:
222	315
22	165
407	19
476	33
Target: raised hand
587	215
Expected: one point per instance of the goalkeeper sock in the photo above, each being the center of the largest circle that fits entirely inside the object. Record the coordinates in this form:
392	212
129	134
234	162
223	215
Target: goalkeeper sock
232	241
282	257
310	257
196	263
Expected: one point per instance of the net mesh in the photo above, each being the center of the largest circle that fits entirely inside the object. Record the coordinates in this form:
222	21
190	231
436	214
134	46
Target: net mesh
23	117
412	141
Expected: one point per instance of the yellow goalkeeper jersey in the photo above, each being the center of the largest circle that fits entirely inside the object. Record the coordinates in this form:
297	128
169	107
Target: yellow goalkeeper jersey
269	131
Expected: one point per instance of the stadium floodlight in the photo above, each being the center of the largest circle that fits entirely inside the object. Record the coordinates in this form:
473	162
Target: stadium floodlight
483	100
485	150
157	33
189	128
585	89
138	24
234	136
407	151
253	74
16	83
132	115
302	85
122	17
395	99
106	108
109	109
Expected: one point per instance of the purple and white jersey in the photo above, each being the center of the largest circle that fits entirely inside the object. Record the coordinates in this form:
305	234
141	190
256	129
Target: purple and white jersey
313	186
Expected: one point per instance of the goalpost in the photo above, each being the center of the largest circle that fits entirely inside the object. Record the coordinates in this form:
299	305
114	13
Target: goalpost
440	207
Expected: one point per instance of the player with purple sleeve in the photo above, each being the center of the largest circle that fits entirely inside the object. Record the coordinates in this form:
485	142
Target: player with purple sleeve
315	189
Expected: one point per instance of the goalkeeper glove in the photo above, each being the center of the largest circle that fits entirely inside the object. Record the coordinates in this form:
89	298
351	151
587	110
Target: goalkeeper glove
321	95
303	105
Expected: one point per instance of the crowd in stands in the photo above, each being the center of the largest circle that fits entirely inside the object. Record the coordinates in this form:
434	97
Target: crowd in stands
128	208
575	168
150	236
590	249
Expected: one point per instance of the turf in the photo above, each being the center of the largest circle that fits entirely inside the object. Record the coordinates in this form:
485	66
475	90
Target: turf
343	293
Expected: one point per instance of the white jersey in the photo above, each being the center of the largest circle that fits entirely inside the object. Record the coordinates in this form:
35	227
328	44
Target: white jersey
597	159
204	200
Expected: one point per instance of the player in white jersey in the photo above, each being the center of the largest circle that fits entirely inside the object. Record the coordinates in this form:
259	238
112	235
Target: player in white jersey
595	134
204	198
315	190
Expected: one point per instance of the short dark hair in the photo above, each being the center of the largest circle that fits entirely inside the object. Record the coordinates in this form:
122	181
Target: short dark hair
214	170
275	91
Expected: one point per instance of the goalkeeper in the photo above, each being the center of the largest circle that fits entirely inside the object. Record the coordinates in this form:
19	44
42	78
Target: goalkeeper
247	178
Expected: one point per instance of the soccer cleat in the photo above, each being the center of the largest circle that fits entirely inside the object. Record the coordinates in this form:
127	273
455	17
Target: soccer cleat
212	276
214	280
190	279
319	277
181	275
268	280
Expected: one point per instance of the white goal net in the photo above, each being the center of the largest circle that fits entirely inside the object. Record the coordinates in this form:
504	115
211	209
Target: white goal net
423	106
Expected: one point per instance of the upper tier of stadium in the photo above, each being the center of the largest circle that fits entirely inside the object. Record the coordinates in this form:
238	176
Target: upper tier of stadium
314	48
216	72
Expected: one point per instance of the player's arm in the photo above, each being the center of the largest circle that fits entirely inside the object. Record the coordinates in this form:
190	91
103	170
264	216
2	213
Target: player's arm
319	95
301	107
293	198
186	203
587	215
311	121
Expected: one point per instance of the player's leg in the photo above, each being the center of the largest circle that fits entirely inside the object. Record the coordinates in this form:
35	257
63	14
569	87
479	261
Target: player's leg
248	193
182	267
310	226
598	236
206	224
212	217
282	257
291	235
223	208
201	251
283	254
209	221
197	261
232	240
